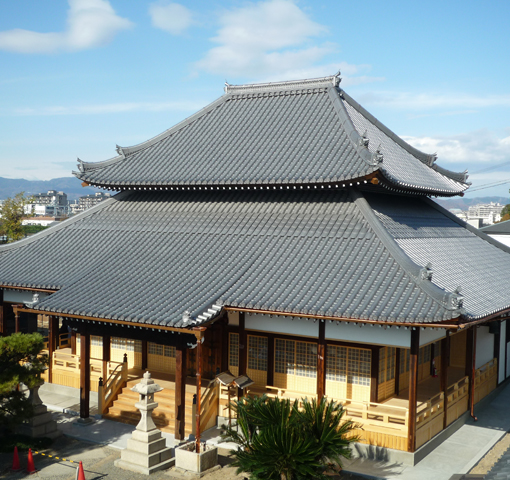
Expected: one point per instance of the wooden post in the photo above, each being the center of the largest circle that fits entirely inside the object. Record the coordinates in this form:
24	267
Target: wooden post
374	374
473	373
52	343
270	360
243	349
413	388
199	392
84	374
106	355
225	346
469	362
2	330
144	354
321	361
16	318
73	342
397	371
445	348
180	391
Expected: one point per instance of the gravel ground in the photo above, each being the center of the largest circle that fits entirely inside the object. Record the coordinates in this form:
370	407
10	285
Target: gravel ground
493	455
98	464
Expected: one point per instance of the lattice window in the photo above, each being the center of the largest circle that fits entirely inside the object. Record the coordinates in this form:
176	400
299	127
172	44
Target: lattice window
405	355
96	341
386	364
257	353
233	351
424	354
127	344
296	358
359	366
162	350
336	364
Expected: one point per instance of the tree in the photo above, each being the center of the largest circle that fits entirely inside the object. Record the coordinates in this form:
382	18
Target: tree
20	362
12	212
278	440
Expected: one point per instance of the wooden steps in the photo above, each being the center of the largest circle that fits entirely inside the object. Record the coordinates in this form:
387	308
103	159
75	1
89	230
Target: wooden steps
123	409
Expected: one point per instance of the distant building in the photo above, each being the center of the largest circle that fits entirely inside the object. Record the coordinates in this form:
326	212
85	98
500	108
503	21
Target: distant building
42	221
488	212
89	201
48	204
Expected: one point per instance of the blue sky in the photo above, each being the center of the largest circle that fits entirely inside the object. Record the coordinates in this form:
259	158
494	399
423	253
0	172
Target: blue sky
78	77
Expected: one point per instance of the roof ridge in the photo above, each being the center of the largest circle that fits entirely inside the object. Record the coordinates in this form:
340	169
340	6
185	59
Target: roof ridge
419	275
332	80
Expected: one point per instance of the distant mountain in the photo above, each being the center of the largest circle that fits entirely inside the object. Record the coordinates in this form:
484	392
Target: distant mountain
70	185
464	203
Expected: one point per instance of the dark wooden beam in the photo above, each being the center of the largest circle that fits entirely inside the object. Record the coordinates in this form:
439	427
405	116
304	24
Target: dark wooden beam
16	318
199	394
144	354
2	330
270	359
243	349
106	355
180	392
374	374
321	361
397	371
84	373
445	348
52	343
225	346
413	388
473	373
469	361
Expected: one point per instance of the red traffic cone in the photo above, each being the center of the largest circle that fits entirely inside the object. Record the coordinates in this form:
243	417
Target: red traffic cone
15	461
81	473
30	465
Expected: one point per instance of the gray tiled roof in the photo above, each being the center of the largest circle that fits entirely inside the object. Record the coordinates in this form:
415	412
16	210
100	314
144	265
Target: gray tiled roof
502	228
460	254
290	133
147	257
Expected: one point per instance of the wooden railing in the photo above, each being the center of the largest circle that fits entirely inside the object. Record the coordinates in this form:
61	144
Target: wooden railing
209	406
486	379
457	395
107	390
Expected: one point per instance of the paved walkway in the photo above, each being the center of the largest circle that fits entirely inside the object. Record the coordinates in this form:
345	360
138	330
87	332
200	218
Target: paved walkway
457	455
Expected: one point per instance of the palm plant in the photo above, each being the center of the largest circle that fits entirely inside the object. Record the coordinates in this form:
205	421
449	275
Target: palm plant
280	441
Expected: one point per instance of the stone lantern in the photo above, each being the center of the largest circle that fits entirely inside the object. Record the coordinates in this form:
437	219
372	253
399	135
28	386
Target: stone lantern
146	450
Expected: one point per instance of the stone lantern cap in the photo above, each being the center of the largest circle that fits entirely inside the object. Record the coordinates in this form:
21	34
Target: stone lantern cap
146	385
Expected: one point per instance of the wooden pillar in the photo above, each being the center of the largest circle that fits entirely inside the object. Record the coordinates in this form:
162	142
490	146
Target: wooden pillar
2	329
180	391
243	349
270	360
445	349
84	374
397	371
73	341
473	373
52	343
469	362
374	374
106	354
413	388
16	318
144	354
225	346
199	393
321	361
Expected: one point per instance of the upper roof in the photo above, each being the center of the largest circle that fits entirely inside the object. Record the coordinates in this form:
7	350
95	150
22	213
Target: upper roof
501	228
301	133
148	256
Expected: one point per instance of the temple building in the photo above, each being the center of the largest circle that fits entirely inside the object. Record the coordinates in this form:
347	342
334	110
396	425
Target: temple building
284	233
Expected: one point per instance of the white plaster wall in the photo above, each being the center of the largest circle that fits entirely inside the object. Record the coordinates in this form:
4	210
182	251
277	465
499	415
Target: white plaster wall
367	334
429	335
504	239
502	352
20	296
484	346
298	326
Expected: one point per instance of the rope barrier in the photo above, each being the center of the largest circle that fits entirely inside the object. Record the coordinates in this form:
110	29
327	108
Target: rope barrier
55	457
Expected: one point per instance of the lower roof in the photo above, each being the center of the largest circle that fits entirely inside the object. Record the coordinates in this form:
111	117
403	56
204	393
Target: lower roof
150	257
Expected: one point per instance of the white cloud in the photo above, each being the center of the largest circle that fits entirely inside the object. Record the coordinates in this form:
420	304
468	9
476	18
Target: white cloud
472	148
90	23
432	101
108	108
272	40
171	17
